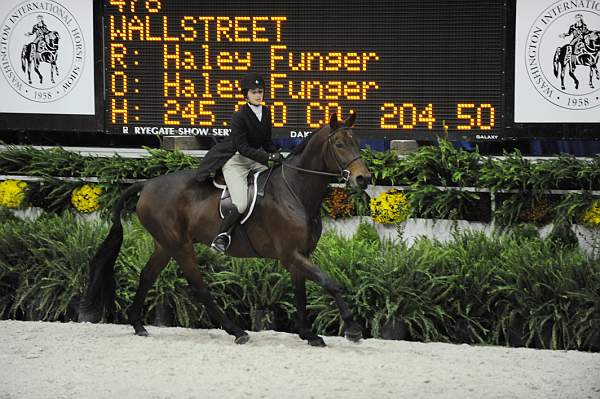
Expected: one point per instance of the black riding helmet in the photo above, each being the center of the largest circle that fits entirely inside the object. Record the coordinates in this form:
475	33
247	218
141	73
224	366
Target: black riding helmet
252	81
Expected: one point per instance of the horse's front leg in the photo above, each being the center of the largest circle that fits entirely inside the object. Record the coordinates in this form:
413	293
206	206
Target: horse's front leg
54	64
186	257
304	329
302	265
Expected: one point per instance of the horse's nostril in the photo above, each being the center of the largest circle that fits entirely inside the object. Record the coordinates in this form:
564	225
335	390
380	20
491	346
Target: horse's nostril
362	181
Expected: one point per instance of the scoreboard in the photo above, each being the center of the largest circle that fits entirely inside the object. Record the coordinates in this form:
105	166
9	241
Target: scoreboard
410	69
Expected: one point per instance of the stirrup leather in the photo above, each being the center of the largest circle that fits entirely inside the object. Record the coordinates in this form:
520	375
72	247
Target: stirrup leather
218	244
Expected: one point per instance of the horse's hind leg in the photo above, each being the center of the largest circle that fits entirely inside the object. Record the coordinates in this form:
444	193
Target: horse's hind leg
157	262
300	264
35	68
572	75
304	330
186	257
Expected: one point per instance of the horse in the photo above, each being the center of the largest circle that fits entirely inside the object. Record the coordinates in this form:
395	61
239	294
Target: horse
589	57
178	211
32	55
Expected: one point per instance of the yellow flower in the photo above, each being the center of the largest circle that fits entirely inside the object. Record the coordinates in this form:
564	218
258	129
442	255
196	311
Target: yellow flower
85	198
592	216
12	193
390	207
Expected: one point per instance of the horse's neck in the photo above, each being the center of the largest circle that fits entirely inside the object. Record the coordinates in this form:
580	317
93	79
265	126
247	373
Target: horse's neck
310	187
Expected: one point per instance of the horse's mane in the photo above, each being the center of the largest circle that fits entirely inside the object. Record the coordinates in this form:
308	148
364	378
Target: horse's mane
300	147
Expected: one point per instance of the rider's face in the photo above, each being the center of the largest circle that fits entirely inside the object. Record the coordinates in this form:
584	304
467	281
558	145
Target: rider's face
255	96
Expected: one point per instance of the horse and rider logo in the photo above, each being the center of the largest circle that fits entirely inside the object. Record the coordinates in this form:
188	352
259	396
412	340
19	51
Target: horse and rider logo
42	51
562	54
582	50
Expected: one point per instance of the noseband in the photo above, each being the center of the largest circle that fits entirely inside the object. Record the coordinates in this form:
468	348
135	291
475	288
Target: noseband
343	171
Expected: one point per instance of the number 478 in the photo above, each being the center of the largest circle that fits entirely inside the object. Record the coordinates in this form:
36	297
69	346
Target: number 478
151	5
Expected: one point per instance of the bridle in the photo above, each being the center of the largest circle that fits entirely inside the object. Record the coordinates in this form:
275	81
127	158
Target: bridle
343	171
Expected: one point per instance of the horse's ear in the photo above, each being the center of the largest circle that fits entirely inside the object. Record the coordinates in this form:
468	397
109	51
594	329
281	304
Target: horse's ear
349	122
333	122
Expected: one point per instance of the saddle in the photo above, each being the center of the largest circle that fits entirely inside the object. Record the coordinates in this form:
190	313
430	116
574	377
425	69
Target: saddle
258	179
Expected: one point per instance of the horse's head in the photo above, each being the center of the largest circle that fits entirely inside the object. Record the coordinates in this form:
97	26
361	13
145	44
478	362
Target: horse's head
592	41
343	153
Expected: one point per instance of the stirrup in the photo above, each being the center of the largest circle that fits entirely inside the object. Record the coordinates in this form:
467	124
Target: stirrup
221	242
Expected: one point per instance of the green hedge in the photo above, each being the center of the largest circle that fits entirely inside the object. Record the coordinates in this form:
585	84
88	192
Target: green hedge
511	289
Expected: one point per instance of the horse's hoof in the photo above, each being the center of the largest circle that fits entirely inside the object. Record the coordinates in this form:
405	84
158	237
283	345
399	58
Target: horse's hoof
353	335
317	342
84	317
242	339
141	331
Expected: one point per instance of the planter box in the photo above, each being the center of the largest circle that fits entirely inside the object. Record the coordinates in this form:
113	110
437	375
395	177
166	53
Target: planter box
31	213
442	230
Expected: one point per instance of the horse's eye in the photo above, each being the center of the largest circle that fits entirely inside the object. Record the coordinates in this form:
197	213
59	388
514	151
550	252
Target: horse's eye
339	145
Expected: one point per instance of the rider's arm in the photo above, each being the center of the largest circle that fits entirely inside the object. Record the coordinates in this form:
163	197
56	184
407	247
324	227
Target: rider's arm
239	138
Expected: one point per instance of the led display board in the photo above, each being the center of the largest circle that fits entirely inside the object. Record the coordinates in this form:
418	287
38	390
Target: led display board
410	69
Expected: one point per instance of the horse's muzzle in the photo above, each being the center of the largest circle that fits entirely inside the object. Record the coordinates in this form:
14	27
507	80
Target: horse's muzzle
362	181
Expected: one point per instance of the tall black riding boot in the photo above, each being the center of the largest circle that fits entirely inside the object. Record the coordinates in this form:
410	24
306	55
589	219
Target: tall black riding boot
223	239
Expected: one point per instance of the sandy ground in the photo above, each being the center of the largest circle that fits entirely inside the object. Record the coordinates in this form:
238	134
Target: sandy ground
56	360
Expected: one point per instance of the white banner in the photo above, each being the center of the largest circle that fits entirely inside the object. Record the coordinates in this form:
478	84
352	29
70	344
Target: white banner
557	47
47	57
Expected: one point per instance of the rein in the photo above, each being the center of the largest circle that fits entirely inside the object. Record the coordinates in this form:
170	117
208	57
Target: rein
343	172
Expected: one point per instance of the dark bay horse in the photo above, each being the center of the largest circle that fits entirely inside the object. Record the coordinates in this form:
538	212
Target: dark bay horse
32	56
588	57
178	211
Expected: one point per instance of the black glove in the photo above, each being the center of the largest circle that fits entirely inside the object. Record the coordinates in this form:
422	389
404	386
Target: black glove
275	158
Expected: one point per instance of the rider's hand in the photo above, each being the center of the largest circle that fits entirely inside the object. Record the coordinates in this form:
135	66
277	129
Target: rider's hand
275	158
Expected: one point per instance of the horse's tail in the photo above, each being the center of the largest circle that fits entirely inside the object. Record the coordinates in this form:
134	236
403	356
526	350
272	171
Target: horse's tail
100	295
24	56
557	61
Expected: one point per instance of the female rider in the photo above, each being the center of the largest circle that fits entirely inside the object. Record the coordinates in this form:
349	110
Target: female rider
248	149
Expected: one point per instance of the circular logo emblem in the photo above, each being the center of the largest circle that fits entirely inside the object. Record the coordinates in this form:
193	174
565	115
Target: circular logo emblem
562	52
42	50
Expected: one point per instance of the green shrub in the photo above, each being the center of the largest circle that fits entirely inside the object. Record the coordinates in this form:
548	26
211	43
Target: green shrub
509	289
